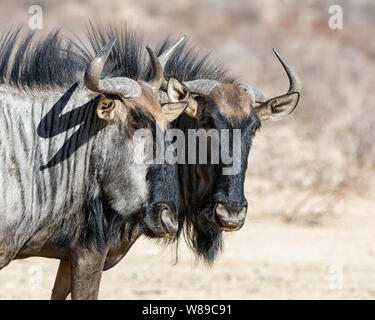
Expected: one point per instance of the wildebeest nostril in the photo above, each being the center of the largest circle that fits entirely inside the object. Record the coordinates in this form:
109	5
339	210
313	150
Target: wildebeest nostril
169	222
230	221
242	214
222	211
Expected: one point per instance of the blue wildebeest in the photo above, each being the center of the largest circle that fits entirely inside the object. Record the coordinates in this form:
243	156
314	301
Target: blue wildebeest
211	201
77	195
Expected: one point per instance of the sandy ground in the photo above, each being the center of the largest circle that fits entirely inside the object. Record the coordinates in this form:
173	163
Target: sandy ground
265	259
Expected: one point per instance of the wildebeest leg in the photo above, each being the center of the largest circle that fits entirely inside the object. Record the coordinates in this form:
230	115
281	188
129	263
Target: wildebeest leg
87	267
62	286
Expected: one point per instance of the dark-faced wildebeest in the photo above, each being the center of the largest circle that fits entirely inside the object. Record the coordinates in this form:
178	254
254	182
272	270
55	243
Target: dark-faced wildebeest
211	201
77	194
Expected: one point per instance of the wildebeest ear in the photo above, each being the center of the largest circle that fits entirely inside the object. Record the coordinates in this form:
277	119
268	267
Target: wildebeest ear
173	110
278	107
178	92
106	108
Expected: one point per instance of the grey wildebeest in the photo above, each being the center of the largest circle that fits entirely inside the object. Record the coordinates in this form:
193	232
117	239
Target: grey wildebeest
78	195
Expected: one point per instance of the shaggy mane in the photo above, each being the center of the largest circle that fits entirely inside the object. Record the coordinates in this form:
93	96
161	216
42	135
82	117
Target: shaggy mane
28	62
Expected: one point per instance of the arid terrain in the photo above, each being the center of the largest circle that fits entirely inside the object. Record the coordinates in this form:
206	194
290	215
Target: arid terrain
310	230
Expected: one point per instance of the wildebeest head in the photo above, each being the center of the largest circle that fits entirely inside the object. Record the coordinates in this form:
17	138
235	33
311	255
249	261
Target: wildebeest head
214	201
127	105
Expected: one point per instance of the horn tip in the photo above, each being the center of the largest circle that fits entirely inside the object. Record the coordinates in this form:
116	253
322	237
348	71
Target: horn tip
182	40
151	52
104	52
281	59
111	42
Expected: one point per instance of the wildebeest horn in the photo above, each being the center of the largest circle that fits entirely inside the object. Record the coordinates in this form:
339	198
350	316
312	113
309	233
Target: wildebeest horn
125	87
164	57
202	87
294	82
157	71
158	65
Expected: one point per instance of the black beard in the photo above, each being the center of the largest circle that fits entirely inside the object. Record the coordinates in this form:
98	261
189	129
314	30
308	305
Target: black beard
205	238
208	245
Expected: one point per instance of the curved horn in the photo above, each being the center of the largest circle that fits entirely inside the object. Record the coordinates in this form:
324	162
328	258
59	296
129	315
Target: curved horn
158	64
256	95
94	70
157	71
202	87
123	86
294	82
164	57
